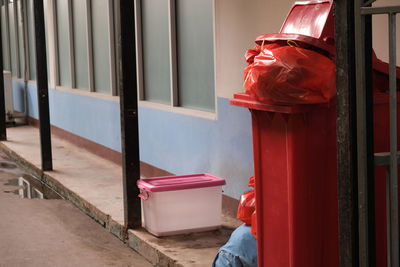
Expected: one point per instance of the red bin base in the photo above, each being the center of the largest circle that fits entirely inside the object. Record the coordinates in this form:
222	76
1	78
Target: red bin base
295	171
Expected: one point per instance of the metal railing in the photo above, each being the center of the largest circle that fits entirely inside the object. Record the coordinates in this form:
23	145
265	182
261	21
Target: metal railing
362	14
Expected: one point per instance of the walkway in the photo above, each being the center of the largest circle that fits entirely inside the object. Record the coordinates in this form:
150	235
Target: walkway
37	232
94	185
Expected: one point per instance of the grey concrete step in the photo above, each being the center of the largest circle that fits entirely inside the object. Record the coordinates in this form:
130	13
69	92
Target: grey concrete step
94	185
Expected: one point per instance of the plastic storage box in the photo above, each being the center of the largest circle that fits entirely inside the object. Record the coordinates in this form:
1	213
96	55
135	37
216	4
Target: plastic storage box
181	204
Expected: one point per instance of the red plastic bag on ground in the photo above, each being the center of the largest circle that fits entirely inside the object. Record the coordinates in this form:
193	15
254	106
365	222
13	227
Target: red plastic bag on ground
289	75
247	204
254	224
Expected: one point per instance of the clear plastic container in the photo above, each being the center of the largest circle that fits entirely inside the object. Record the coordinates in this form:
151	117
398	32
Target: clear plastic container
181	204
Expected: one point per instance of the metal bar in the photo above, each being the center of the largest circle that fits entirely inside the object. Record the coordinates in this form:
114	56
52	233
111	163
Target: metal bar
346	133
364	92
25	38
383	159
24	7
129	117
368	3
370	139
30	12
173	53
380	10
117	43
361	137
71	45
393	250
113	71
8	34
388	232
139	49
90	44
55	39
16	38
42	87
3	134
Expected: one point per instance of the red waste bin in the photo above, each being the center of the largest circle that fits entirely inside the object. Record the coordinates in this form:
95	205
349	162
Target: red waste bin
296	181
295	157
296	185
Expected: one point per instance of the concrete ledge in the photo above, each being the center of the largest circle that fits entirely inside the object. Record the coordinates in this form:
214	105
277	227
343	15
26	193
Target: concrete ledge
196	249
93	212
97	182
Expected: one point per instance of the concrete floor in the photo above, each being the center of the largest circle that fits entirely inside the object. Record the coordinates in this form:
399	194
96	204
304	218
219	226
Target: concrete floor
95	179
95	186
53	232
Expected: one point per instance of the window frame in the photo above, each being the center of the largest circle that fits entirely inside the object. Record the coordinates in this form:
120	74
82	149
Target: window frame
16	38
90	55
20	30
173	106
5	3
29	13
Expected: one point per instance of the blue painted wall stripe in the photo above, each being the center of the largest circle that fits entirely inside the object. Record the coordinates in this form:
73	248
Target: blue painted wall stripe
174	142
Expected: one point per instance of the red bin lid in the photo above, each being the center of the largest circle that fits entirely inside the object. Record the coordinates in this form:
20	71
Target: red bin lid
311	18
300	40
171	183
309	23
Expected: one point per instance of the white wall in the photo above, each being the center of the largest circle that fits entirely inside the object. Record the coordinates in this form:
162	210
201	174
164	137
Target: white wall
237	24
380	35
49	20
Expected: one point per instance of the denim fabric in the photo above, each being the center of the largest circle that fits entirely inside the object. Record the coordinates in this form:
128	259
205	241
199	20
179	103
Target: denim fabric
239	251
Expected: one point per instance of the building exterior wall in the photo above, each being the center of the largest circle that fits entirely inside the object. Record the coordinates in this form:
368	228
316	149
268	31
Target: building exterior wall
178	140
177	143
238	23
380	32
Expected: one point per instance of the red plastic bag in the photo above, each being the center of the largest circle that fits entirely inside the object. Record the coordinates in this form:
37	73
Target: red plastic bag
254	224
255	51
247	205
247	208
289	75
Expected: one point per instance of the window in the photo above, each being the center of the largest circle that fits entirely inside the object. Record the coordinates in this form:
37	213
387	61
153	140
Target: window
175	47
101	45
4	36
195	47
20	21
79	18
18	32
85	41
31	40
14	52
155	43
63	43
176	52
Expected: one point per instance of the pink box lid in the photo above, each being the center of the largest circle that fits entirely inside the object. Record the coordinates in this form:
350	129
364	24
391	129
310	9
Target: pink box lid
171	183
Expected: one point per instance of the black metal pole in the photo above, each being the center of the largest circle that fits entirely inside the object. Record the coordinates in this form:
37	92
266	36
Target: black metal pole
346	133
42	86
3	134
129	117
370	140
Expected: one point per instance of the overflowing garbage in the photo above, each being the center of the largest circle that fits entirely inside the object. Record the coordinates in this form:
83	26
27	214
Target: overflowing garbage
247	208
289	74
